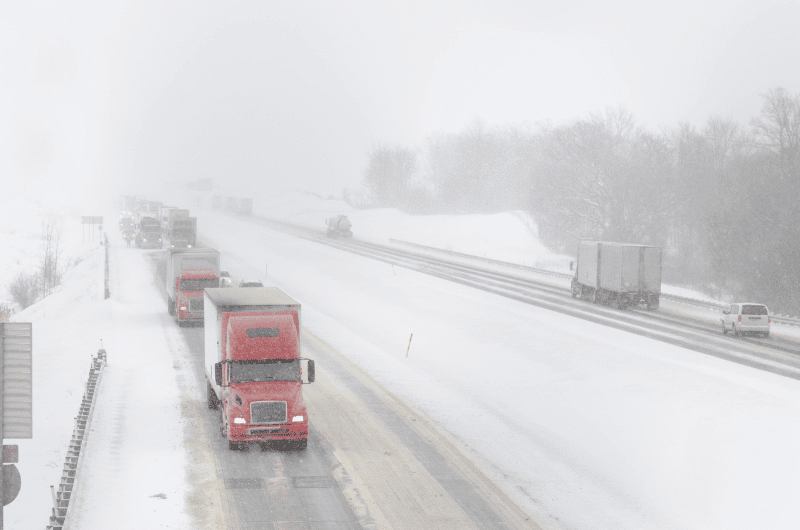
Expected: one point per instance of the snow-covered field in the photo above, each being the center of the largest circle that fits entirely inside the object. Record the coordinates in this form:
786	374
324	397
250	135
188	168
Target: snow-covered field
585	426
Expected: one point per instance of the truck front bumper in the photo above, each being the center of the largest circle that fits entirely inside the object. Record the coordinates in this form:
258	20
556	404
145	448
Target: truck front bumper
190	316
254	433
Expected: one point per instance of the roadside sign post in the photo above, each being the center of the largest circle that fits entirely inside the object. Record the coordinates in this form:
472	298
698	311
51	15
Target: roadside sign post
91	220
16	402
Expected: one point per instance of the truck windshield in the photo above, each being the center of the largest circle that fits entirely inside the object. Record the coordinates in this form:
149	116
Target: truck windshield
198	284
266	370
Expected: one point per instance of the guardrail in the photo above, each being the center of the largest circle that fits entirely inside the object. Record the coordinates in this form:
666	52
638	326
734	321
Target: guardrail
106	283
73	458
485	260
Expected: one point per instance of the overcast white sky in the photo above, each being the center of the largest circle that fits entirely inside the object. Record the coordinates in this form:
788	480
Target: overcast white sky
274	96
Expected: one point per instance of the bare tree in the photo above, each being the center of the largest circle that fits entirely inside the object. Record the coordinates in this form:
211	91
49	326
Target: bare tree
390	173
24	289
608	178
778	129
49	273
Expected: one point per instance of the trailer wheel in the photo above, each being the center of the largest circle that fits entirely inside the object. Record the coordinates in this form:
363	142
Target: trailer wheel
212	397
170	306
301	445
234	446
736	331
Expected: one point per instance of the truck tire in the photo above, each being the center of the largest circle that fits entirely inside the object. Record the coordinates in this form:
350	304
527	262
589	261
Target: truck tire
234	446
170	306
213	403
736	332
301	445
724	329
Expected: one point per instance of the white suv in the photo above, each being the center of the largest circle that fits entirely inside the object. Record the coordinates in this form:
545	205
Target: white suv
744	318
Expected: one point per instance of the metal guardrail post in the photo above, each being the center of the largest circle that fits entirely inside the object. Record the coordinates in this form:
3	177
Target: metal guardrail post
107	288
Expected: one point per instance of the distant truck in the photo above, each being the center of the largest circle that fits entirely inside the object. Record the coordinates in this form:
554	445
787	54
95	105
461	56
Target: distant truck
339	226
618	274
164	215
189	271
150	240
183	232
146	225
252	365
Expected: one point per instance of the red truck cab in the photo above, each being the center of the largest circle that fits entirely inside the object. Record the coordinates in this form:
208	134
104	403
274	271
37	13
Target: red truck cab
261	378
189	293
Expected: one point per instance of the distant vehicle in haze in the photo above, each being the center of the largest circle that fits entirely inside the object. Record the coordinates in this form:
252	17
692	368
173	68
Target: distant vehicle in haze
150	240
225	279
339	226
745	317
251	283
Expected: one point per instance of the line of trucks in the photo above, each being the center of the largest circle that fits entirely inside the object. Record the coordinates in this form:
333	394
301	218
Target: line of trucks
148	222
252	350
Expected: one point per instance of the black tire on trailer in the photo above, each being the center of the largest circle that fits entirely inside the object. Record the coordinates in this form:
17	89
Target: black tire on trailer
213	403
234	446
736	332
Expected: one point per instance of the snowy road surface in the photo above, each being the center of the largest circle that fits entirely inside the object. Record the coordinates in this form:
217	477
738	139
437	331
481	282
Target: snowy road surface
582	426
372	461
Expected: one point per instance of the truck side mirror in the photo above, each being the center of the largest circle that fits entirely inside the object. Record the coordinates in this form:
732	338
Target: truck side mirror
310	371
218	374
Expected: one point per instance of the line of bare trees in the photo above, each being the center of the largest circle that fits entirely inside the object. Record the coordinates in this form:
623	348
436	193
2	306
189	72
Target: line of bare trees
722	200
28	287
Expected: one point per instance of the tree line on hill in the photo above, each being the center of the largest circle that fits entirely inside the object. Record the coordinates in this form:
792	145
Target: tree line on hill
723	200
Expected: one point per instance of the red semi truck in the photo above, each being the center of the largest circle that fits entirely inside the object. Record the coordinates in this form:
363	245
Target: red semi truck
189	271
253	365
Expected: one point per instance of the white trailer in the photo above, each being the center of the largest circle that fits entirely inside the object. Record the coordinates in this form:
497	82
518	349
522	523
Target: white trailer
618	274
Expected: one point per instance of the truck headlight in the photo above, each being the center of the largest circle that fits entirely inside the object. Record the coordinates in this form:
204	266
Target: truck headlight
182	308
297	418
239	420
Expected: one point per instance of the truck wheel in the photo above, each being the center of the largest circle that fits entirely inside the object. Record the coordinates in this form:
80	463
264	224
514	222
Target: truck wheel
170	306
234	446
301	445
736	331
724	329
212	397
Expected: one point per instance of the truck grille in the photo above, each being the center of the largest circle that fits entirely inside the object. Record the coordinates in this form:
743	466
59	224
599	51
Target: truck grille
268	412
196	304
